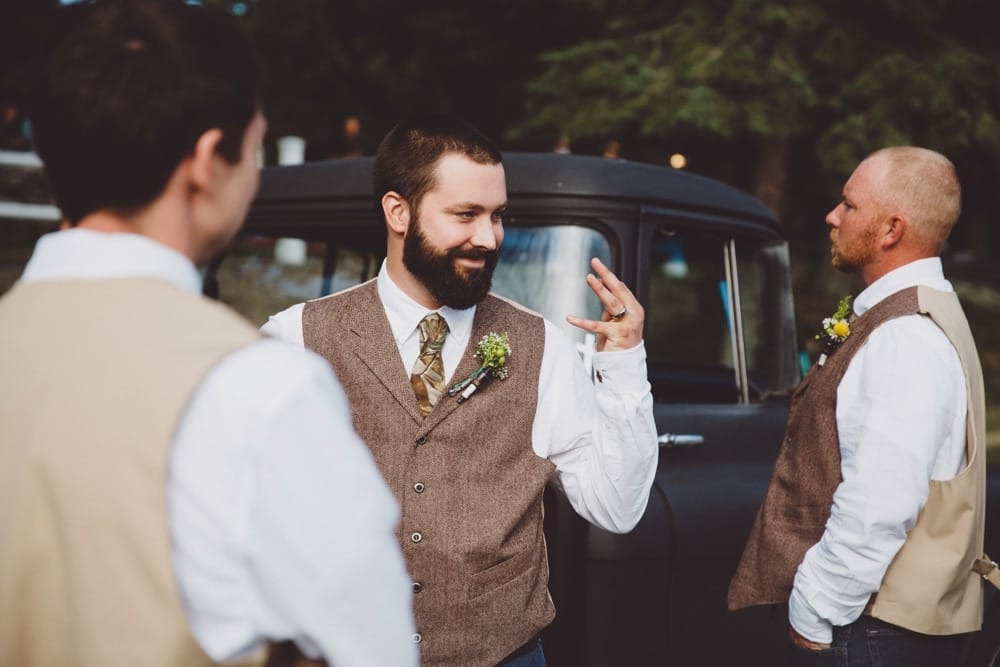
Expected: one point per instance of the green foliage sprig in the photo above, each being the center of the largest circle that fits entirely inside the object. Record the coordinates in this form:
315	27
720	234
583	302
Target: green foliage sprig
492	351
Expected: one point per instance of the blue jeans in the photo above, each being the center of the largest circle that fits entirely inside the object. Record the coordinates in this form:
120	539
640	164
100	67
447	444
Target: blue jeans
869	642
534	658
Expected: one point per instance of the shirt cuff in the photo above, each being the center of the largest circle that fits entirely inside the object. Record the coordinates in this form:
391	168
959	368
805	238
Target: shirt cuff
804	620
622	371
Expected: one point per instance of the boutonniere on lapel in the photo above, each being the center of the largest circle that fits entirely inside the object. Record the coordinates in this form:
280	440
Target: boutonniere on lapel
492	352
836	329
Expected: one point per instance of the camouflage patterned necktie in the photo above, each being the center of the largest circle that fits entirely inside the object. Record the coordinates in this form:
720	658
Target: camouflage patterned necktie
427	378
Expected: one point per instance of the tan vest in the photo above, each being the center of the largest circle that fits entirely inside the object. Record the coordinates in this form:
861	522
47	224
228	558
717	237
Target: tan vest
95	376
929	586
467	480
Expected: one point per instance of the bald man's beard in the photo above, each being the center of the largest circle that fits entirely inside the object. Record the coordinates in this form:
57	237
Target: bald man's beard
449	284
853	256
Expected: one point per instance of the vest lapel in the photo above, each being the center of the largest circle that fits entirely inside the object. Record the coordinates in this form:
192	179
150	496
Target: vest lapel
372	326
372	329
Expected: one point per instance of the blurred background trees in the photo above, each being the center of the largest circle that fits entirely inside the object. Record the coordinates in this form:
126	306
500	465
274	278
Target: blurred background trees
378	60
783	99
778	98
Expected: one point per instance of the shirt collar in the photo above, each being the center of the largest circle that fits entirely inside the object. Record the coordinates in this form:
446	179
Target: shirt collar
85	254
927	272
404	313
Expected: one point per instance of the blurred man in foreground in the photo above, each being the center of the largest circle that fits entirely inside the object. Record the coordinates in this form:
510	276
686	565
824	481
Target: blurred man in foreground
174	489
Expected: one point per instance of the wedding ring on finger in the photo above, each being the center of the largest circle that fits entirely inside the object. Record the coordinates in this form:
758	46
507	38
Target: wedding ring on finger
620	314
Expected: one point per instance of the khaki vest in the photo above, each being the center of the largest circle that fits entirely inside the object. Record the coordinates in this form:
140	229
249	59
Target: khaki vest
95	376
468	483
929	586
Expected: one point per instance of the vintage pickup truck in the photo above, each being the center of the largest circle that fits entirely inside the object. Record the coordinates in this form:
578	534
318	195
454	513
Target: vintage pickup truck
712	268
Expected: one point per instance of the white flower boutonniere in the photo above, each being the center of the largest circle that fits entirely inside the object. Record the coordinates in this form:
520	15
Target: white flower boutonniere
836	329
492	351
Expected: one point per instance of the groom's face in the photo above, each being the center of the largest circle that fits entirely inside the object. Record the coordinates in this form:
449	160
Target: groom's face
453	241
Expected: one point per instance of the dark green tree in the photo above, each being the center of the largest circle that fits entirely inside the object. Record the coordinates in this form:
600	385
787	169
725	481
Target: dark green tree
381	59
763	76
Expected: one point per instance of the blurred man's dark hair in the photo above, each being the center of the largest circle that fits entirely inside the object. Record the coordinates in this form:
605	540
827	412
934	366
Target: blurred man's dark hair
409	153
126	91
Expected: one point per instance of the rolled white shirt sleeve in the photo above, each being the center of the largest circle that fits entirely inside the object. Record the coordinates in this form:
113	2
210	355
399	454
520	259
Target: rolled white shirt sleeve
901	410
599	434
281	526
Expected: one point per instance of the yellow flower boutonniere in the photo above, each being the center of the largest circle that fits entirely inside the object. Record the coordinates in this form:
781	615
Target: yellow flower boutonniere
836	329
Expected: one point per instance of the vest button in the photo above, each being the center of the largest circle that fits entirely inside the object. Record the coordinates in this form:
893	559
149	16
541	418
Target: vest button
422	440
419	487
416	537
417	587
417	638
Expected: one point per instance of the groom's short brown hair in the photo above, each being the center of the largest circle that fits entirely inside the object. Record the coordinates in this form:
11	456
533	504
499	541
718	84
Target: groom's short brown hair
409	153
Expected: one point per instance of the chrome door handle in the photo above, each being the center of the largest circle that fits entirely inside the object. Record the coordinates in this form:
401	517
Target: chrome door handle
680	440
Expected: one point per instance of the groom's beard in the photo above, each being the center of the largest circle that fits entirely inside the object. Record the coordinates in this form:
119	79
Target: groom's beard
451	285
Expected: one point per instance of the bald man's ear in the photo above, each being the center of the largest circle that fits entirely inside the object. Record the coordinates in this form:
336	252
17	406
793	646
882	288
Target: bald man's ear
896	226
396	211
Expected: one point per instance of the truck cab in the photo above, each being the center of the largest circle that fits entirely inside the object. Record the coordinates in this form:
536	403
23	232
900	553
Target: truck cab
711	267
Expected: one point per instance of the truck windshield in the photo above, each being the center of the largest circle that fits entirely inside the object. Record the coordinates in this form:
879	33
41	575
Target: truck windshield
541	267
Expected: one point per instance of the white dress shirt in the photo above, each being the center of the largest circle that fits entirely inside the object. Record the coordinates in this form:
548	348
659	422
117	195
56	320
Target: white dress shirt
901	410
602	441
280	525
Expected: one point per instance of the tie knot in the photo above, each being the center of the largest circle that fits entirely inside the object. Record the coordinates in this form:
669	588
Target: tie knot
433	329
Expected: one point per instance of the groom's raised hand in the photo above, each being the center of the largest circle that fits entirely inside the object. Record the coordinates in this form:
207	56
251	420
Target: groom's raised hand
620	326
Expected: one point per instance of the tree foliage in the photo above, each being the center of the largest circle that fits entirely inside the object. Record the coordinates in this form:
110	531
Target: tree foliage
766	75
780	98
382	59
714	67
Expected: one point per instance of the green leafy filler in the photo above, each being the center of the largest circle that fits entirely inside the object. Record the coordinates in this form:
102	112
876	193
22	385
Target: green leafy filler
492	351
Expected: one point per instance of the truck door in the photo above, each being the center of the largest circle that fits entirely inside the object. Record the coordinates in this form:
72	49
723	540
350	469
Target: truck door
722	359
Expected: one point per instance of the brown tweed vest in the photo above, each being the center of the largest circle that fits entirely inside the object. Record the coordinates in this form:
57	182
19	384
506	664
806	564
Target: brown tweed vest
96	375
467	480
929	583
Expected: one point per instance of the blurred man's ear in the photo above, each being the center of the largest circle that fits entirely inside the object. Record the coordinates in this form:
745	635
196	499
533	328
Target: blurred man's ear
202	159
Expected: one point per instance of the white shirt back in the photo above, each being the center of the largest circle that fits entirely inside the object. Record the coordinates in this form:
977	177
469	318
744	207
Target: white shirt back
281	526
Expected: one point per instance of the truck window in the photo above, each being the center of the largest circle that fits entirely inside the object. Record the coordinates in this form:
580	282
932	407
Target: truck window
691	340
768	317
544	268
262	275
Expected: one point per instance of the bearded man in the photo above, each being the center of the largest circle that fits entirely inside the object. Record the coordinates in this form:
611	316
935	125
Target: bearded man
872	528
469	475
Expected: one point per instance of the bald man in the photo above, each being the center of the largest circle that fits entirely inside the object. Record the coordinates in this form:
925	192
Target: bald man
874	516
